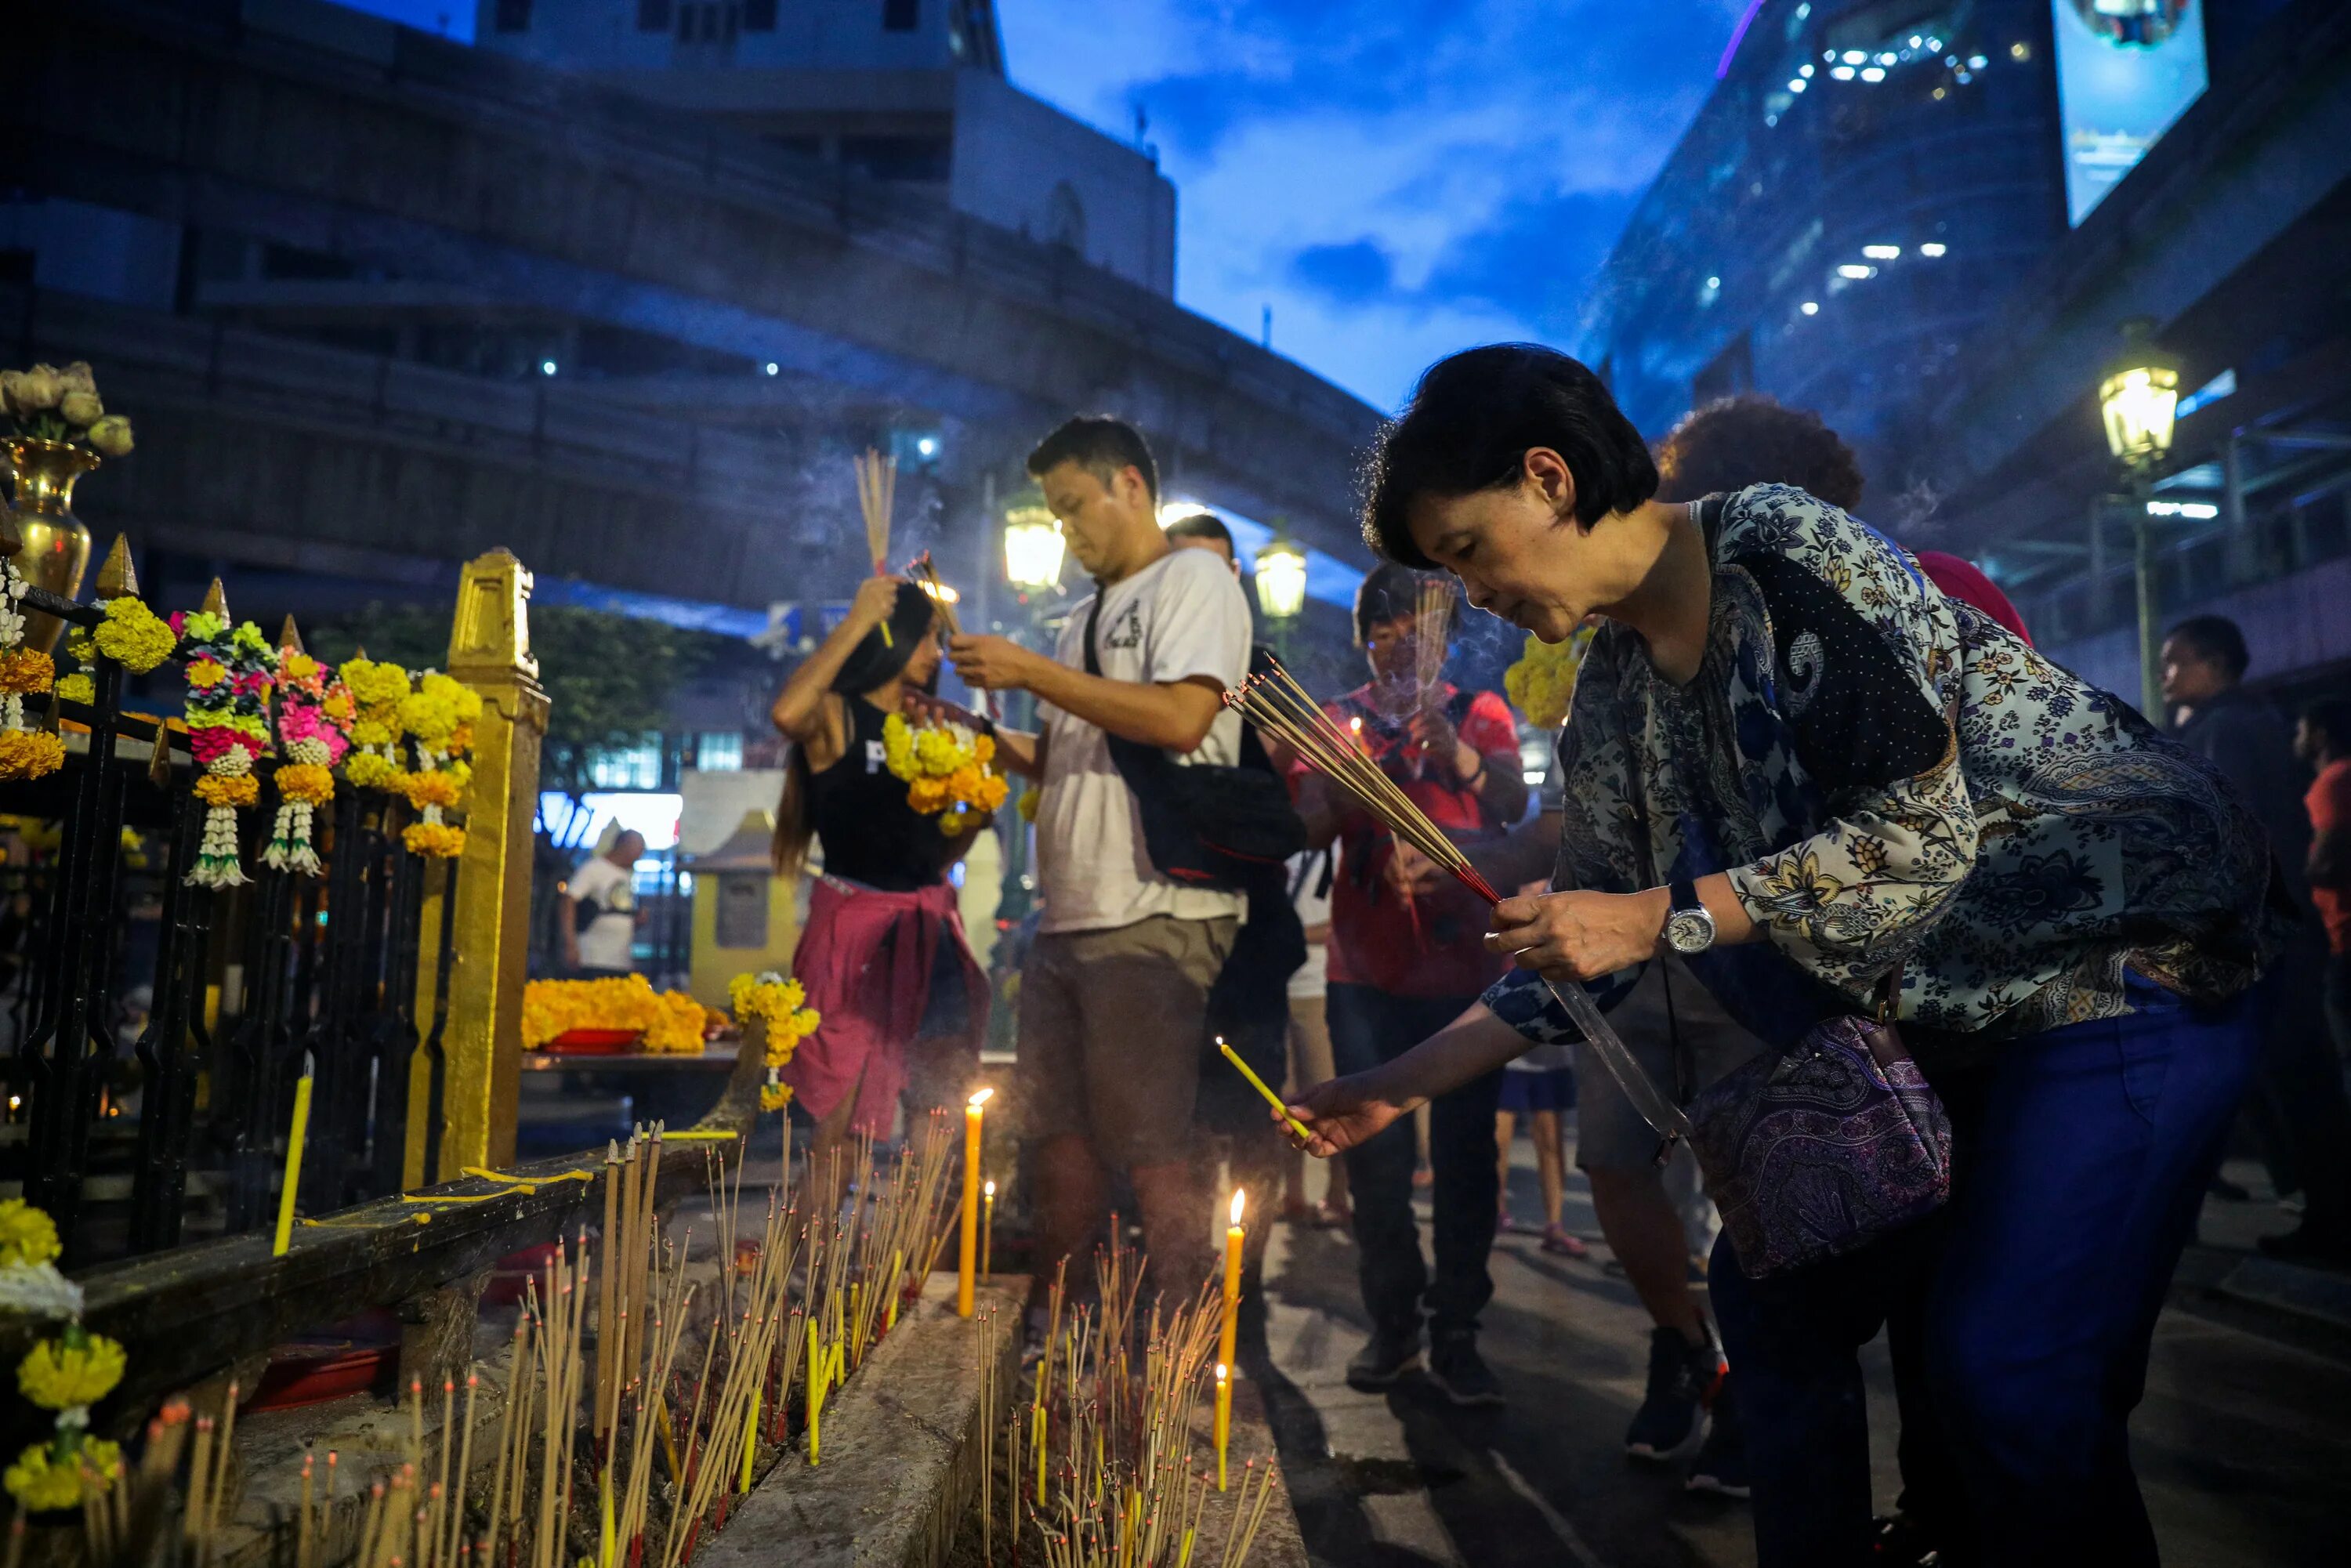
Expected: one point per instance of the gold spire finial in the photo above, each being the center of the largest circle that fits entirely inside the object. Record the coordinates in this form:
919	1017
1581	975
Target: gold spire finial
116	579
216	601
289	640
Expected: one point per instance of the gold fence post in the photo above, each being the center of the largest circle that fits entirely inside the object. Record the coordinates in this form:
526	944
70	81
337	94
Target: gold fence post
481	1047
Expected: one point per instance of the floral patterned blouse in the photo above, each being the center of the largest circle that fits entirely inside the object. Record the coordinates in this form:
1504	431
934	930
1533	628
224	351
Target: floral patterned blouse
1889	777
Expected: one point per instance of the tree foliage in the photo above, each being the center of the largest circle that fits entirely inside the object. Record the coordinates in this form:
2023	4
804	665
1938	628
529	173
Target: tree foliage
608	678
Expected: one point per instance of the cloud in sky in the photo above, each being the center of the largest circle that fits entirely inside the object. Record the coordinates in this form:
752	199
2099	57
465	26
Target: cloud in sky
1394	178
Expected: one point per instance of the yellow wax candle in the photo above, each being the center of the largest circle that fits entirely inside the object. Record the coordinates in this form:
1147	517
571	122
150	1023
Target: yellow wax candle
751	1439
605	1539
1037	1447
1228	1327
293	1166
1272	1099
987	1227
815	1388
968	1254
1224	1418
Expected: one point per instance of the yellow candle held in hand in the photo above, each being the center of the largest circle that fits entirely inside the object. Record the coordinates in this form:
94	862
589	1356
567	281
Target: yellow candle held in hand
1224	1418
968	1254
1229	1326
293	1166
1272	1099
986	1225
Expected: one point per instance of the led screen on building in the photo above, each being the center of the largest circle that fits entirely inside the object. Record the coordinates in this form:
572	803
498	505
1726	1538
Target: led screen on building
2125	70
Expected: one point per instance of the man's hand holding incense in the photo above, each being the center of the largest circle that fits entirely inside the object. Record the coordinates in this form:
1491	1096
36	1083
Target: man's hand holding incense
1571	937
993	663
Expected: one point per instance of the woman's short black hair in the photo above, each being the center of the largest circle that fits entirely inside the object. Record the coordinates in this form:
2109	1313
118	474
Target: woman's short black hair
1472	420
1101	446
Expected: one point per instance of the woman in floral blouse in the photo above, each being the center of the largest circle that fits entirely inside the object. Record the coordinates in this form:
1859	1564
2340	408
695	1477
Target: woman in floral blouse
1783	723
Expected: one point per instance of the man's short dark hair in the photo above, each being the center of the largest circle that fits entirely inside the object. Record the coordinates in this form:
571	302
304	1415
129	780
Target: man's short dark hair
2217	640
1101	446
1472	420
1752	439
2329	718
1201	526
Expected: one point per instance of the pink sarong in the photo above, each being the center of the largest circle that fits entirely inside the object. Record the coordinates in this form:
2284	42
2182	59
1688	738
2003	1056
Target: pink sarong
866	959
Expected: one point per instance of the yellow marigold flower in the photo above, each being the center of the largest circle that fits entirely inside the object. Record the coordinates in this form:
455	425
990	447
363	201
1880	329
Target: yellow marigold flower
58	1375
436	840
27	670
30	754
203	674
368	771
41	1481
228	788
133	635
26	1234
775	1096
306	781
78	688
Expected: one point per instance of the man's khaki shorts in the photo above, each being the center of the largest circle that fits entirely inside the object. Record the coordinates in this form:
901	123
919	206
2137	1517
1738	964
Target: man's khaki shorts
1110	1034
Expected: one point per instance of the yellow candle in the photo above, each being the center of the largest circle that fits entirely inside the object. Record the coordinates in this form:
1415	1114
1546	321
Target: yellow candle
1272	1099
293	1166
605	1540
986	1225
815	1385
968	1254
1036	1446
751	1440
1229	1327
1224	1418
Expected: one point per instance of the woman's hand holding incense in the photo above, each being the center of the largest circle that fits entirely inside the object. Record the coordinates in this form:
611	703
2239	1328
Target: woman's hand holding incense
1412	873
1571	937
927	708
1343	1113
1441	742
876	598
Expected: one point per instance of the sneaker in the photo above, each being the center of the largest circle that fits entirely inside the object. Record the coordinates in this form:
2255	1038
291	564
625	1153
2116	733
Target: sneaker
1387	1356
1722	1464
1681	1375
1460	1373
1901	1542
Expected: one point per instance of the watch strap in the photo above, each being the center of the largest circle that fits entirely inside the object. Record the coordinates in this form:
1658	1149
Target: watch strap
1681	893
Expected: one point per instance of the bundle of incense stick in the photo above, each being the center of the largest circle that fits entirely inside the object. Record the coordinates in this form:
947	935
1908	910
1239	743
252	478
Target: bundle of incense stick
1432	629
927	575
1109	1438
877	493
1277	704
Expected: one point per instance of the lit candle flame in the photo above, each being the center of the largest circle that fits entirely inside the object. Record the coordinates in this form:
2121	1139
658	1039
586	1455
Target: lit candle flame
989	1190
1221	1372
979	1097
1238	1198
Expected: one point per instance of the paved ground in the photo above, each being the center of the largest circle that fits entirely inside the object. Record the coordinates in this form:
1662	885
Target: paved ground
2243	1443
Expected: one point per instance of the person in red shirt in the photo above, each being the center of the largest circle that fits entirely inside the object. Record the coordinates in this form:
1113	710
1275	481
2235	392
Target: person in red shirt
2323	739
1407	955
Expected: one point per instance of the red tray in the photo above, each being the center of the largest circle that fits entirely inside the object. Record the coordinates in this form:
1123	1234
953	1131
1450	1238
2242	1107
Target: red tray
595	1041
349	1358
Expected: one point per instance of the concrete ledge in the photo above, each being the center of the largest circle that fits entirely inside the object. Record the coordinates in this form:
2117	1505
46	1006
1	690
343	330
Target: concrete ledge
2318	1294
900	1461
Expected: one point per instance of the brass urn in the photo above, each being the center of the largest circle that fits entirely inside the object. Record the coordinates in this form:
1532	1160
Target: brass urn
54	548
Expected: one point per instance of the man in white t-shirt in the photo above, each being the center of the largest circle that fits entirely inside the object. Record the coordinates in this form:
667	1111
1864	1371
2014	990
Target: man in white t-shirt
1115	988
600	937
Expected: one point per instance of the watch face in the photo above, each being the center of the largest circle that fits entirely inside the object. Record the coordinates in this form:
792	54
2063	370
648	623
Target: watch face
1690	930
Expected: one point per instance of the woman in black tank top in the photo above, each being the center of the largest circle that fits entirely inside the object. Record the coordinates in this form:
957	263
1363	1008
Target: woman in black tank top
884	956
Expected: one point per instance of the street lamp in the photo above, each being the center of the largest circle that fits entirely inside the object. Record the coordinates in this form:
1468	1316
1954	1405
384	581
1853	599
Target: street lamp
1281	578
1032	548
2139	400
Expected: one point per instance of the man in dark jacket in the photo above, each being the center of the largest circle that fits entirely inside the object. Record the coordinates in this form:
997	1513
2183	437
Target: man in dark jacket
2298	1103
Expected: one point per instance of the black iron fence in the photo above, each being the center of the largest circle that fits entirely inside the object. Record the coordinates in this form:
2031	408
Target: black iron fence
155	1030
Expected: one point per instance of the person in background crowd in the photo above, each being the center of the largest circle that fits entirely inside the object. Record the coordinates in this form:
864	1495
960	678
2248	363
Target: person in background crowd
2298	1105
1406	952
884	956
1249	1005
1312	873
1540	1086
1117	984
600	939
2086	1033
2323	739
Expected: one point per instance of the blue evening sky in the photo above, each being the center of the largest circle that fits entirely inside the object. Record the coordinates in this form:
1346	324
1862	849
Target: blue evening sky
1394	178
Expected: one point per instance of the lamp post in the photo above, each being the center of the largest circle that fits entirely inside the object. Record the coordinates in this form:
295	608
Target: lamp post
2139	400
1282	585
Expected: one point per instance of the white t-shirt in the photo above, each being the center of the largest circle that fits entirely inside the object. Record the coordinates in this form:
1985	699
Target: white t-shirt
606	941
1306	869
1181	616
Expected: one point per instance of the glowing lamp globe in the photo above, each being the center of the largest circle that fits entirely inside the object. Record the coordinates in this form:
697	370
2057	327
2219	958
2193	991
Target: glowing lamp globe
1282	579
1032	548
2139	400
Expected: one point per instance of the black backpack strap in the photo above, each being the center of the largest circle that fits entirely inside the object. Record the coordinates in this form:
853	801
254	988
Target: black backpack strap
1094	619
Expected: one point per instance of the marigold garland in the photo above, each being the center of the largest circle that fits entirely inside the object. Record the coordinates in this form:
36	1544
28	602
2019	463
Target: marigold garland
780	1002
376	690
230	672
313	733
439	716
948	769
1542	684
24	753
65	1374
133	636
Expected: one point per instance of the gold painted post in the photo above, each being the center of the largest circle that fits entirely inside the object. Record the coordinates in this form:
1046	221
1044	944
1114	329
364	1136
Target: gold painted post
489	650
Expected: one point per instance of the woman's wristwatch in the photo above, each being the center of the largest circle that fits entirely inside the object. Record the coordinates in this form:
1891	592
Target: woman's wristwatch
1689	929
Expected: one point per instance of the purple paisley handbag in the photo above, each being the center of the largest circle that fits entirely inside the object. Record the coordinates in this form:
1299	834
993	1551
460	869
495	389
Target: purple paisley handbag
1823	1148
